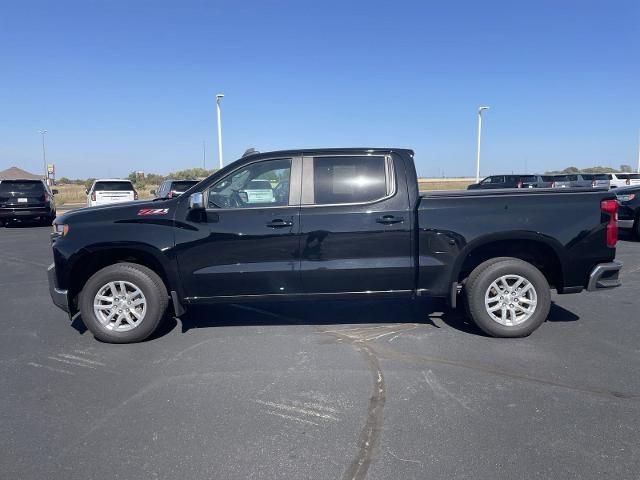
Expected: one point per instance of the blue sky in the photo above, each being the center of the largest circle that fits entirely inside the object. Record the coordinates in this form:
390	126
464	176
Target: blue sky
130	85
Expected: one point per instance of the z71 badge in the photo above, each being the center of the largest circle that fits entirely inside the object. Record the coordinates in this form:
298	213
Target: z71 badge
153	211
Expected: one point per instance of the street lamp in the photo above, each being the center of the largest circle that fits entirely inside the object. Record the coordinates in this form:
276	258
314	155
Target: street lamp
44	156
479	133
638	151
218	98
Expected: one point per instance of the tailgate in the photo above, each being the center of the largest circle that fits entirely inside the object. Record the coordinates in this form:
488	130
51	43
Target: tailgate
114	196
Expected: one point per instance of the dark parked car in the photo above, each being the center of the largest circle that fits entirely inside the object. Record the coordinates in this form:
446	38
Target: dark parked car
26	200
173	188
511	181
350	224
629	211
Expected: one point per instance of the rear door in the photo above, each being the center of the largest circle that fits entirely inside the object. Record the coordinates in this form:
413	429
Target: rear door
355	225
23	194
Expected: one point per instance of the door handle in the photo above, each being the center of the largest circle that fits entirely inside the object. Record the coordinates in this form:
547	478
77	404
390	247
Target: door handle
279	223
389	219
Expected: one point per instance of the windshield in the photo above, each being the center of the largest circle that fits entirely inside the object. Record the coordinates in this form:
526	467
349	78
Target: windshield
22	186
113	186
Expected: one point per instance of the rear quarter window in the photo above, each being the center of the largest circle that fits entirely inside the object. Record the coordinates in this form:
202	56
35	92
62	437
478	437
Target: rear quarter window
529	179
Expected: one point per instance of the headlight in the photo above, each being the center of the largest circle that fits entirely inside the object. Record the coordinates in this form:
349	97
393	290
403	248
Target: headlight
626	198
60	230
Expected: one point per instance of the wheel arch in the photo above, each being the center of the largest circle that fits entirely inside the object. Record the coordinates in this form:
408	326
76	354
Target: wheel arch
543	252
91	259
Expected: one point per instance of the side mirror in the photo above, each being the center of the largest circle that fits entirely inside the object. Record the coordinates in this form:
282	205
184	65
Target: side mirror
54	191
152	192
86	191
196	201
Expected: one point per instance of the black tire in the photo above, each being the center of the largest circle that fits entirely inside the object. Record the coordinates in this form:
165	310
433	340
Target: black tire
146	280
484	275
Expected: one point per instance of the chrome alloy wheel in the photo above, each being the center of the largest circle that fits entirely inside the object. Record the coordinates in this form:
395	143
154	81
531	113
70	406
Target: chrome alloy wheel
511	300
120	306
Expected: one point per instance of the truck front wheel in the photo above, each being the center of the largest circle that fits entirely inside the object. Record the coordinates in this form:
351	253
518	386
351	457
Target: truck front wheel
123	303
507	297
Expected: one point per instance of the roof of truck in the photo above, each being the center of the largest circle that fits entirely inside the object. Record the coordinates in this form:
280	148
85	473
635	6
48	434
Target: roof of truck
315	151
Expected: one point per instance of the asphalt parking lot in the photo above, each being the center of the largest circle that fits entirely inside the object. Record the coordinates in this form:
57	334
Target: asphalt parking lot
384	390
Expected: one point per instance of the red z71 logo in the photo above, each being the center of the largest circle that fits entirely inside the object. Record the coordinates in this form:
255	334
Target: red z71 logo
153	211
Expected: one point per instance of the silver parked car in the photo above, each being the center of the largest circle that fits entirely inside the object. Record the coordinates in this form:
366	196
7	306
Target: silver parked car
584	180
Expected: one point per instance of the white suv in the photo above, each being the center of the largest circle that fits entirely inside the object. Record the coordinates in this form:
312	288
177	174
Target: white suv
623	179
105	191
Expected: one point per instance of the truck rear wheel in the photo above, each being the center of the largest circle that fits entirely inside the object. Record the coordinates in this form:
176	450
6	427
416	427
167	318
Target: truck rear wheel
507	297
123	303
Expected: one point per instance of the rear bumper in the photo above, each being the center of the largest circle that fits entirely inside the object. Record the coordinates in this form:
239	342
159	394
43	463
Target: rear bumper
60	297
9	212
605	275
625	223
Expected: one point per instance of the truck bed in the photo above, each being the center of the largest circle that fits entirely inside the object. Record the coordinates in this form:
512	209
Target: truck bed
565	224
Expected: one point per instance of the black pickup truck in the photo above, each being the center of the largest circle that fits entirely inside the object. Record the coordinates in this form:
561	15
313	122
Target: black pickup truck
331	223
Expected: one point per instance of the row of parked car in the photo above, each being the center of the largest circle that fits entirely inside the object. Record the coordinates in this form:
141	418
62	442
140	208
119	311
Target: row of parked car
114	190
574	180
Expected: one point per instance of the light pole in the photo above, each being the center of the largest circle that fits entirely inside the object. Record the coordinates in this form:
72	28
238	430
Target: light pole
218	98
44	156
479	134
638	151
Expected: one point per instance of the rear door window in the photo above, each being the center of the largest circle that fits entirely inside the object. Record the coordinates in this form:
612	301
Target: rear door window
113	186
349	179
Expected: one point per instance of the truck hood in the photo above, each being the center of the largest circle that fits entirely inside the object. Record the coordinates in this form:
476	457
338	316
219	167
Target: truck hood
121	211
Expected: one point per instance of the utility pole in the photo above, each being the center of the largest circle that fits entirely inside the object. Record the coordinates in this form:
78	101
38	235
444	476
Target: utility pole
204	156
639	151
44	156
479	134
218	99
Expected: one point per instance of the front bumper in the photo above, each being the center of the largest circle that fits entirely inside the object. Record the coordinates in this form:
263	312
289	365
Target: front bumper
60	297
605	275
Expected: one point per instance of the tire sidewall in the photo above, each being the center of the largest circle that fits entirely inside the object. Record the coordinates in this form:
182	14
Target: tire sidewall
142	280
482	283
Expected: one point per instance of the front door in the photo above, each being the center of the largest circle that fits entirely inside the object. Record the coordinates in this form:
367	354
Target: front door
247	241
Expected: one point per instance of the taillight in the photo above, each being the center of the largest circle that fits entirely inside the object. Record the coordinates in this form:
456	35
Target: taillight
93	196
135	195
628	181
610	207
553	184
520	184
593	184
44	197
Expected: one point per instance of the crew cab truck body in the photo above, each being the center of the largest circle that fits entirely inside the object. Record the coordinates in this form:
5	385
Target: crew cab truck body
336	223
